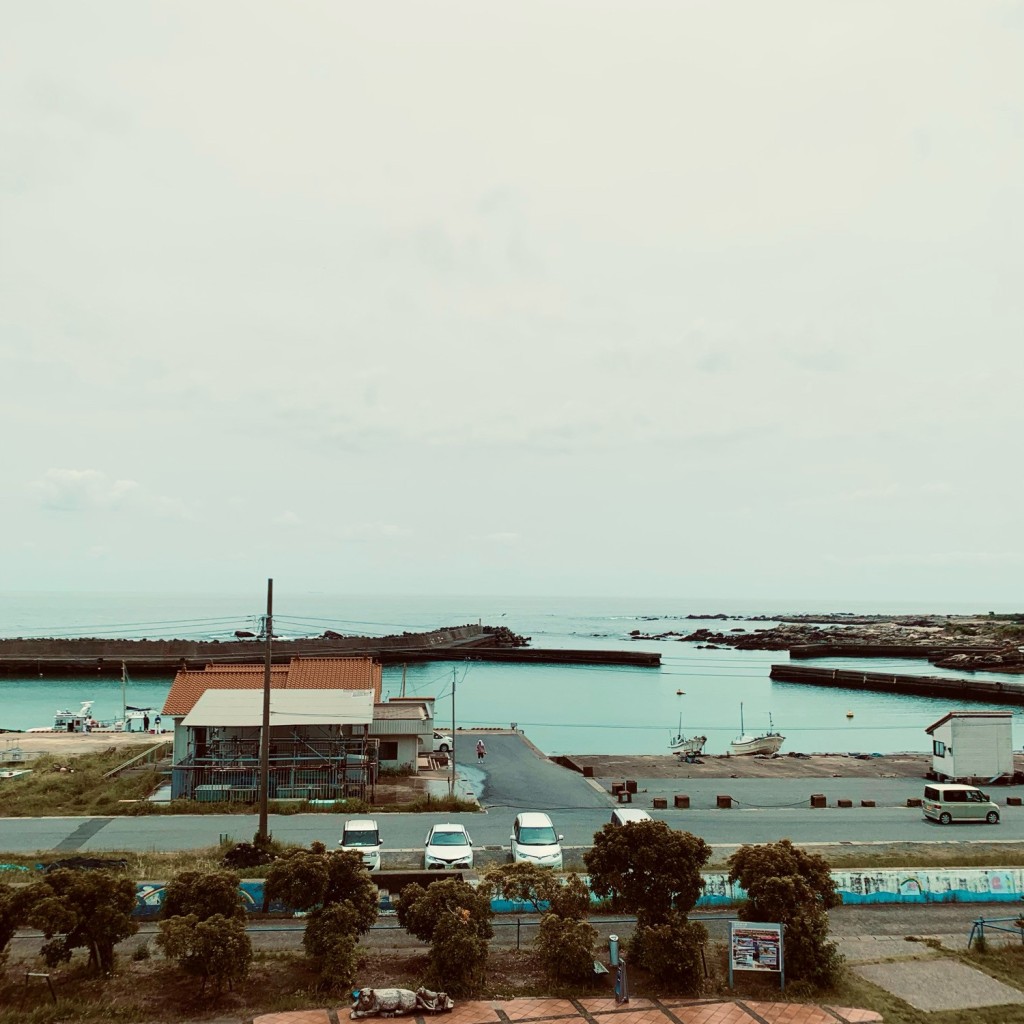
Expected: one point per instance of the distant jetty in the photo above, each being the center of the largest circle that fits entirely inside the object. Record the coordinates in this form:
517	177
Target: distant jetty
987	691
163	657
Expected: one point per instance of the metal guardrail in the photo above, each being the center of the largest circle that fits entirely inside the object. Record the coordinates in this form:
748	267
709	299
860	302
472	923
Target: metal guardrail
996	924
148	756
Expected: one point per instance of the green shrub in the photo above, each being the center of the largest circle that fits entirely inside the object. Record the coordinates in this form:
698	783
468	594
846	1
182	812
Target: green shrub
672	952
458	954
217	948
566	948
204	894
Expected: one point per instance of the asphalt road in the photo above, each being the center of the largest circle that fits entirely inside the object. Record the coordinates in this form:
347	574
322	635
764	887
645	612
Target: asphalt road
514	778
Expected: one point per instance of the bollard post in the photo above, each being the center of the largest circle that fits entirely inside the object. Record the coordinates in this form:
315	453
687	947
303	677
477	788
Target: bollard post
613	950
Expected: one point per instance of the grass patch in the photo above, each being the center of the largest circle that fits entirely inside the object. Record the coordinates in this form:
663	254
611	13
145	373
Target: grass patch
81	790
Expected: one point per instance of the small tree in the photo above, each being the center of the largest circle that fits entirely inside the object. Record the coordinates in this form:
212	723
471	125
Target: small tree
305	879
342	899
204	928
785	884
671	951
565	941
13	906
458	954
455	919
204	894
421	910
330	940
523	882
647	869
82	909
216	948
566	947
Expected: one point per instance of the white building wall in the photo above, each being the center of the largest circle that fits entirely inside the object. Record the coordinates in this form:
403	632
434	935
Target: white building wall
982	748
942	764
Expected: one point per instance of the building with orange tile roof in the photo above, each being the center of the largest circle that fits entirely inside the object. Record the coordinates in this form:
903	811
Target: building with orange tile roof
329	731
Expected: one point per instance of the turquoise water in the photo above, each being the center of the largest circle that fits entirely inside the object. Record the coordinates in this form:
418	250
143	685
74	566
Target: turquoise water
563	709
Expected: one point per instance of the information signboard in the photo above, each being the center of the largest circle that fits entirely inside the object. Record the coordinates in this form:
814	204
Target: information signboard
755	946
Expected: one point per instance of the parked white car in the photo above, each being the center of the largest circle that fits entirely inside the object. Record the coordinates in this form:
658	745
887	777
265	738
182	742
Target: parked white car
535	841
628	815
443	742
448	847
362	834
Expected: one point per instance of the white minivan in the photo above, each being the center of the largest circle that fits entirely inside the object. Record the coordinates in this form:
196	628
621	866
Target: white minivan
362	835
948	802
535	841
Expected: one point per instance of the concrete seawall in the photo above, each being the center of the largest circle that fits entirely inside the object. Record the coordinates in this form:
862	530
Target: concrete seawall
986	691
162	657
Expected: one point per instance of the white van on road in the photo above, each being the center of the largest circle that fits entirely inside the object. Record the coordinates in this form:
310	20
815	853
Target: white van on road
948	802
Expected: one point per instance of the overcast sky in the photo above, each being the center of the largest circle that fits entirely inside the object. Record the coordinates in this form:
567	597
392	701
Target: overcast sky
682	298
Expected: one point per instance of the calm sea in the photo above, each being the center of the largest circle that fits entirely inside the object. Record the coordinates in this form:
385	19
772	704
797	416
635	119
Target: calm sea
563	709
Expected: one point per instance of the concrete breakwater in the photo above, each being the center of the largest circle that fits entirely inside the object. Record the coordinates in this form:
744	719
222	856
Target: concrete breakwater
163	657
986	691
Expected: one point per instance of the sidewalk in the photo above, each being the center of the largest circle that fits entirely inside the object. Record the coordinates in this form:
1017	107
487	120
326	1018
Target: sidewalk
607	1011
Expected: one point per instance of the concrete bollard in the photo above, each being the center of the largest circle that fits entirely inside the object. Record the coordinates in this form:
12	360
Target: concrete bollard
724	801
1013	801
588	771
630	785
682	800
818	800
659	803
617	788
625	797
844	803
913	801
867	803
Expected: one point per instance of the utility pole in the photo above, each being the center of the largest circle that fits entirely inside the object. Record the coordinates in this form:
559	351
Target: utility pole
451	784
263	833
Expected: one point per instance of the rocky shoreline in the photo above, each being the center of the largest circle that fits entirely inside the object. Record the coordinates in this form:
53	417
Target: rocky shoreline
966	643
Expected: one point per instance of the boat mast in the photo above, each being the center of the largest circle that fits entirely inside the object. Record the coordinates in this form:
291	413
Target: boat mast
743	732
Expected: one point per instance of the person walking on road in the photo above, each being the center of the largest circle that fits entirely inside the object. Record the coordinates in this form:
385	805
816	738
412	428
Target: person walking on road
481	750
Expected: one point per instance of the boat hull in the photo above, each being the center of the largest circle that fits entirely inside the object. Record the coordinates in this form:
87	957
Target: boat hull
688	745
767	744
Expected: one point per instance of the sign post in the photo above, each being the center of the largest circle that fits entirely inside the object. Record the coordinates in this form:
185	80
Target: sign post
756	946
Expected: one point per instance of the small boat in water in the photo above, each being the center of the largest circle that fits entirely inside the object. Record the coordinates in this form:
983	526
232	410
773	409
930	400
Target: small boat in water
687	746
765	743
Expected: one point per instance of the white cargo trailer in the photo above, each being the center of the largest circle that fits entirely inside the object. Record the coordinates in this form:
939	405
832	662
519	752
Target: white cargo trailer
972	746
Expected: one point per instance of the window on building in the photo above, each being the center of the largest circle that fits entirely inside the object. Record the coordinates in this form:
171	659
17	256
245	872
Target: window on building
938	748
388	750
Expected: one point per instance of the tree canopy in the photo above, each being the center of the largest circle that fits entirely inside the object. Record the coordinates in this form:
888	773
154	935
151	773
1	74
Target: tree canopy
420	909
647	869
204	894
787	885
306	879
82	909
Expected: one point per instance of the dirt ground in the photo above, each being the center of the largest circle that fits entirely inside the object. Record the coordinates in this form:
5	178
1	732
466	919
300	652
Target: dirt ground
32	744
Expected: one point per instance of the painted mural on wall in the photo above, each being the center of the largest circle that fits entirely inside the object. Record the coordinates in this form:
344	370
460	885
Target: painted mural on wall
879	885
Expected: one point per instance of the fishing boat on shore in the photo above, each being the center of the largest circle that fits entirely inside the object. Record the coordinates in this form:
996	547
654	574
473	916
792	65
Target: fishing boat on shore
765	743
686	746
133	719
